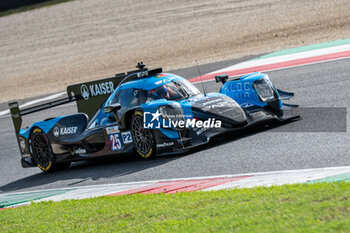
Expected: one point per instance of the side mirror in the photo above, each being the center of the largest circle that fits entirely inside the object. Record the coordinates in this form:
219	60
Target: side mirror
112	108
221	78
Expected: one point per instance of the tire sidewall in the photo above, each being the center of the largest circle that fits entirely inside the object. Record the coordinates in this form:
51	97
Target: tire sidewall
152	151
52	160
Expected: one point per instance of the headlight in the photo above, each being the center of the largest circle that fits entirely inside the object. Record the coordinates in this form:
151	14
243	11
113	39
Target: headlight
172	112
264	88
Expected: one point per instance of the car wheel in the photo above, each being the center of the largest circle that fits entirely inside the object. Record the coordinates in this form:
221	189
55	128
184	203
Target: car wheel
144	140
42	152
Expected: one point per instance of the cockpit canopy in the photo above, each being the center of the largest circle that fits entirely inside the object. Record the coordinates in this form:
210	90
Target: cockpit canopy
137	92
174	88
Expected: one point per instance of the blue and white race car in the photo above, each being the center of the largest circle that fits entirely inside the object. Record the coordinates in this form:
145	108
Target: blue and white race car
145	111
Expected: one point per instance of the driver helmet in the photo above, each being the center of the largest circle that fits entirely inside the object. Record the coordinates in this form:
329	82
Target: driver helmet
160	92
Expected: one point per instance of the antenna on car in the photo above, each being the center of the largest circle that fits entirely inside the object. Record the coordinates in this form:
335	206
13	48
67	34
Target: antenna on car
200	75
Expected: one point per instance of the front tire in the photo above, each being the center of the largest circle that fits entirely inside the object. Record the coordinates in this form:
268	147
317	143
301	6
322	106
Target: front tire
144	140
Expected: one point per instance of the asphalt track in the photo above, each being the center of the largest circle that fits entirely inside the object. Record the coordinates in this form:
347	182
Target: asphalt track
320	139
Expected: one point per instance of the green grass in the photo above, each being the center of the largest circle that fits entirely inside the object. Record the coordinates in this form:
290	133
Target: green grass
321	207
31	7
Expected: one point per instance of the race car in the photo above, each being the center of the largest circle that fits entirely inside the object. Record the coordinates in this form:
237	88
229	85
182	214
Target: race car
145	111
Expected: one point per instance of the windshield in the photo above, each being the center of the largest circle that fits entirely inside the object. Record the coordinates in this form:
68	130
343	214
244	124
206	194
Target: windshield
175	90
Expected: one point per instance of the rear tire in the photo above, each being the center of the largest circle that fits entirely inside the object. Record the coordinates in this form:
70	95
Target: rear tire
42	152
144	140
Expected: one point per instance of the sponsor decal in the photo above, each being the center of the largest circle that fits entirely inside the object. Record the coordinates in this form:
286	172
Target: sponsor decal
84	91
127	137
165	144
142	74
247	105
112	130
200	131
138	113
45	168
211	102
96	89
145	155
238	86
37	130
214	106
56	132
155	121
221	108
80	151
68	130
239	89
64	131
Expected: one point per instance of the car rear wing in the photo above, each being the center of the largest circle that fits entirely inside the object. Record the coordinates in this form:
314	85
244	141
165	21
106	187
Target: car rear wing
17	113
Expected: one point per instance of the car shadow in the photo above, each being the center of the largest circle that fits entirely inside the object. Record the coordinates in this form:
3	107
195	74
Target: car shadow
97	170
100	169
228	137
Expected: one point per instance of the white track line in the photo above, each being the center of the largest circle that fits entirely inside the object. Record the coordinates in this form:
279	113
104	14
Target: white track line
54	96
288	57
256	179
282	68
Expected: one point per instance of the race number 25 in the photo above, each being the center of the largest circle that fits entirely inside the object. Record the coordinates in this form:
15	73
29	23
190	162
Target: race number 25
115	142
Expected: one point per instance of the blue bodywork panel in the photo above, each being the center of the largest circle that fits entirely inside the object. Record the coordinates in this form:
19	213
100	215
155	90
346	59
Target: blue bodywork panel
44	125
242	91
